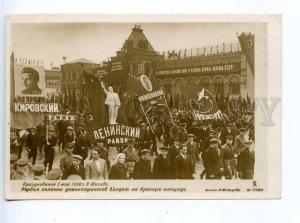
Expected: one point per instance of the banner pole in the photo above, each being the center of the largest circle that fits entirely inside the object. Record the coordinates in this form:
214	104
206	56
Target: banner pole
146	118
167	105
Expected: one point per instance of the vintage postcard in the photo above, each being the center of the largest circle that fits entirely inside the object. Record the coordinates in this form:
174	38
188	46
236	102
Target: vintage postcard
143	107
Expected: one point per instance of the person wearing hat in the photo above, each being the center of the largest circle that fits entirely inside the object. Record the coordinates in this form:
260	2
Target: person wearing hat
38	172
162	168
49	149
193	149
206	135
131	154
32	144
103	152
74	177
228	158
61	128
226	132
211	160
240	141
54	174
119	169
13	159
21	169
174	131
82	145
69	136
75	169
246	161
142	168
183	166
96	169
173	153
67	160
15	143
79	130
182	134
145	139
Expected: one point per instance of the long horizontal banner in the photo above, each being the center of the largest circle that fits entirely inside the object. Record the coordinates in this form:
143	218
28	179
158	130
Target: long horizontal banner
116	134
201	69
151	95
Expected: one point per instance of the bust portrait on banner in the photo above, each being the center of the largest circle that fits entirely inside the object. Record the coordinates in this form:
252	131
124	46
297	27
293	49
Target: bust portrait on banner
113	102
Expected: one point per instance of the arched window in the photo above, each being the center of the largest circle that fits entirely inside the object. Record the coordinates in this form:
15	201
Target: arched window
219	86
204	83
234	86
191	87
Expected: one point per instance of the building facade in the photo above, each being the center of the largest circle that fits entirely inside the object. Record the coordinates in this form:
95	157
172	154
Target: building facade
224	69
53	83
72	82
222	73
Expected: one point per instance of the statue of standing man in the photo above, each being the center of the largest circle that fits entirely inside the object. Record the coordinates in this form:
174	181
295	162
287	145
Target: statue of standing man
113	102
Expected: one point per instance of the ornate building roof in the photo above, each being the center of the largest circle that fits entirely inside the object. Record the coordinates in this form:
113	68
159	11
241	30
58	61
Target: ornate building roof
137	41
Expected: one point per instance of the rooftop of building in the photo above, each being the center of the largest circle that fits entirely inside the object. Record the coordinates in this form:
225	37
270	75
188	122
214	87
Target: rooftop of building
81	60
137	41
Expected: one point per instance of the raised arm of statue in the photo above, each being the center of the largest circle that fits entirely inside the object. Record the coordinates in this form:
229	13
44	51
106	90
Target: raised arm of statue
104	88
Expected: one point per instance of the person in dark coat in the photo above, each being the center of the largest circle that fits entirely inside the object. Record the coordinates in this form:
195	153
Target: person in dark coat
142	168
103	152
192	149
182	134
228	158
227	131
61	128
173	153
162	168
174	130
32	144
15	143
211	160
41	131
145	139
49	149
204	145
69	136
246	161
118	170
183	166
131	157
67	160
75	169
82	144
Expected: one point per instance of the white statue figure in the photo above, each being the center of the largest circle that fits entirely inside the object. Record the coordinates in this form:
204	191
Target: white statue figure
113	102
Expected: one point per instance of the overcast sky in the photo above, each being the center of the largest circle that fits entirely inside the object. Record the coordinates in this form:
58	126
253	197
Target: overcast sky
98	41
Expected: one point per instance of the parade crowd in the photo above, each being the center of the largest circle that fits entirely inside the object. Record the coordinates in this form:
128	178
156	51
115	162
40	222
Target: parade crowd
224	149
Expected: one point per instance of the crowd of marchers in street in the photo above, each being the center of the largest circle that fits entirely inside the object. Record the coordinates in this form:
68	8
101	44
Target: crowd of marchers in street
225	149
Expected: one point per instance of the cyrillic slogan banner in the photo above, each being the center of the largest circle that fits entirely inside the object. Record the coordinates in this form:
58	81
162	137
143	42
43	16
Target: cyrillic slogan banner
155	109
116	135
204	106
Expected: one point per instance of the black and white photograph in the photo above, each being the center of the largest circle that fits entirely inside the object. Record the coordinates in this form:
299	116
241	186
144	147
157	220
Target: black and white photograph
106	104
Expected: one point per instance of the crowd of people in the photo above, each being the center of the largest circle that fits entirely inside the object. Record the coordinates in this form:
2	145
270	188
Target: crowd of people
224	149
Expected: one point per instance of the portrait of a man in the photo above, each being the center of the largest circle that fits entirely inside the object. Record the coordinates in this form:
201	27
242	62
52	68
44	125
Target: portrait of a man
30	79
